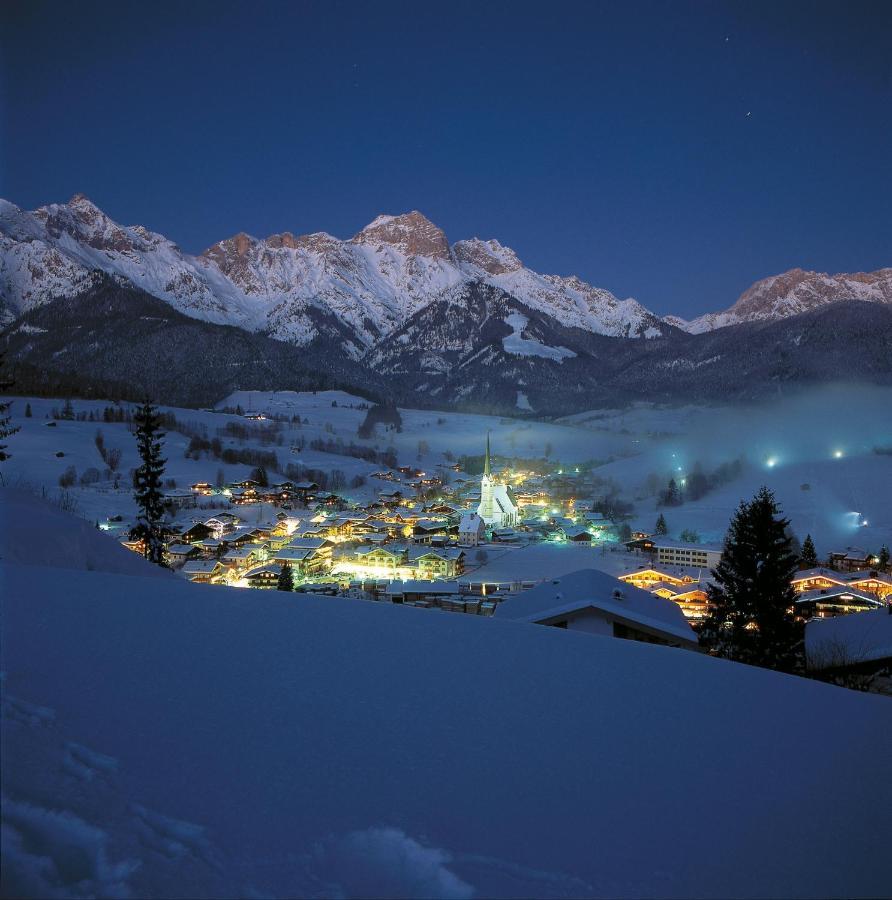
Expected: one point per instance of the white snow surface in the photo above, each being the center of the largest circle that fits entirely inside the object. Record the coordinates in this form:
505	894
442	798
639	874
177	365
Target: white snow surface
177	739
520	346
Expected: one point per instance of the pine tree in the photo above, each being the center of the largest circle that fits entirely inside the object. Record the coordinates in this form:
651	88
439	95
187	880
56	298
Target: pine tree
751	601
661	528
147	481
286	578
883	561
28	413
809	556
7	429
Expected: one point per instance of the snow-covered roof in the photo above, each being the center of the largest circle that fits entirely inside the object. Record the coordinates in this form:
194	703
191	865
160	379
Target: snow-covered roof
598	590
200	566
838	590
849	640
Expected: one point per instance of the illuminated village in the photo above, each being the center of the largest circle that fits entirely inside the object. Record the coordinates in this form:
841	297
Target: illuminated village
427	538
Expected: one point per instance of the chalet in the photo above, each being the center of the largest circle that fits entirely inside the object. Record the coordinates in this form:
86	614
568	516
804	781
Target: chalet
838	600
306	561
645	578
815	579
242	558
594	602
204	571
211	547
195	533
178	499
266	576
850	559
203	488
640	545
439	564
177	554
304	489
424	529
579	535
691	599
872	581
222	523
471	530
382	562
246	484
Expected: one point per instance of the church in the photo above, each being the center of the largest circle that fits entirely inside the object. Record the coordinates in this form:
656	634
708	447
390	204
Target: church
498	506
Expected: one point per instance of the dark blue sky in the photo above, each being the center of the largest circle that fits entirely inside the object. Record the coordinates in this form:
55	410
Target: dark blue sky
608	140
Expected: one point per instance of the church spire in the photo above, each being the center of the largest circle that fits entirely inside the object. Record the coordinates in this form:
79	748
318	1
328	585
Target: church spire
487	472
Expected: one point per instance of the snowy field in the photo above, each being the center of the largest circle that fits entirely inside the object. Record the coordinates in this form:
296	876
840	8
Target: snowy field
816	453
167	739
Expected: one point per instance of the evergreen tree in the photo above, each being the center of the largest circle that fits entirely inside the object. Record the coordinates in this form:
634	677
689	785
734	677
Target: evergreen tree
809	556
751	601
883	561
697	484
661	528
147	481
671	496
7	429
286	578
28	412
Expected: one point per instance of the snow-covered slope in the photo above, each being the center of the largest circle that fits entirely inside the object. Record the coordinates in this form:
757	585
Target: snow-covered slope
290	286
181	740
794	292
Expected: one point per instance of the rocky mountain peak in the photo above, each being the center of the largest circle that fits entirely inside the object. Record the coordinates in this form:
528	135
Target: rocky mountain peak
238	246
490	256
317	242
411	233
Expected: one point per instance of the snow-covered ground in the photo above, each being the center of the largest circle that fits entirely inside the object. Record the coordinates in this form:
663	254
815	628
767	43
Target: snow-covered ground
168	739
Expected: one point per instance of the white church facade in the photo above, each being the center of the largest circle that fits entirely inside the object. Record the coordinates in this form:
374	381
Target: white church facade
498	507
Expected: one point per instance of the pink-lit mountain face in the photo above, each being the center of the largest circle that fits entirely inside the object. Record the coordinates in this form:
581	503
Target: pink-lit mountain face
794	292
371	284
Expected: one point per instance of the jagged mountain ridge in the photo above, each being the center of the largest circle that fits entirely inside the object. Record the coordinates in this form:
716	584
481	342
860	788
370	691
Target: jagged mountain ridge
291	287
792	293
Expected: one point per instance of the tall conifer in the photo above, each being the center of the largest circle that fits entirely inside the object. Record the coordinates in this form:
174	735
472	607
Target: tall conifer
286	578
147	481
7	429
751	601
809	556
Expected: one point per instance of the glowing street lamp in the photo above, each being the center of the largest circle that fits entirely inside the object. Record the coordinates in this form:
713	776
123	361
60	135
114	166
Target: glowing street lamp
837	454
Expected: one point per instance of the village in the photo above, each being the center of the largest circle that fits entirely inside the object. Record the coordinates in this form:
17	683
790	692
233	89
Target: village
459	543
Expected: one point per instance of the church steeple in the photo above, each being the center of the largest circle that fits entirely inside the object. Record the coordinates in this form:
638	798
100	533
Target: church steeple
487	471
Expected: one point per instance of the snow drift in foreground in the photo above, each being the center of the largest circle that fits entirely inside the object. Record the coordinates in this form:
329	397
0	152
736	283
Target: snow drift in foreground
169	739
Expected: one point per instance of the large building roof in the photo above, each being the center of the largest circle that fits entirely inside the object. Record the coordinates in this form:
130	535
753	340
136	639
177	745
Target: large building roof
597	590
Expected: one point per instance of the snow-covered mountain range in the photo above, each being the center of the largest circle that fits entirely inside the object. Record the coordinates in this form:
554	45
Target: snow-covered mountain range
401	311
791	293
294	288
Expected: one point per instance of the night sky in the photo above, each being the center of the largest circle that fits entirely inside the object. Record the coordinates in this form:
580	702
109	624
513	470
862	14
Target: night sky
673	152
